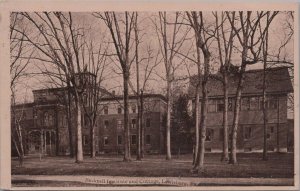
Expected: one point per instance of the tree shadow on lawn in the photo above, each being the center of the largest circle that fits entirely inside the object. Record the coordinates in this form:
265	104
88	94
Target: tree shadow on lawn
278	166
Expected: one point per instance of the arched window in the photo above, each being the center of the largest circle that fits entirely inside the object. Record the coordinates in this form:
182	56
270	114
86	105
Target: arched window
119	109
46	119
61	119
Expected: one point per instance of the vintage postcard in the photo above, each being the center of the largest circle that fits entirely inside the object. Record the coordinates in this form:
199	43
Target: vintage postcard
149	95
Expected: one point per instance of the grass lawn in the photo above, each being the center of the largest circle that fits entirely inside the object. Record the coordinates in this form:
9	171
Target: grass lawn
279	165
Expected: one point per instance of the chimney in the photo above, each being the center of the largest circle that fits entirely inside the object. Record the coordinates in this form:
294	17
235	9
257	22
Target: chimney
113	92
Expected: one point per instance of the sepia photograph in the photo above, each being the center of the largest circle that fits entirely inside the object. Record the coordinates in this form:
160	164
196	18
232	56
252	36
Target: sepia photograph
195	98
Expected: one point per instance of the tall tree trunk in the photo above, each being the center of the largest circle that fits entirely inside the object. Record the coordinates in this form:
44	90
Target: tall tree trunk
265	157
139	139
20	156
197	115
138	123
232	157
277	128
201	150
127	152
70	131
168	128
265	114
79	153
197	118
69	120
92	144
20	138
142	124
225	156
56	134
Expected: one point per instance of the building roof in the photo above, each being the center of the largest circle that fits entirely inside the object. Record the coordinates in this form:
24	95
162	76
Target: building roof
120	97
24	105
278	81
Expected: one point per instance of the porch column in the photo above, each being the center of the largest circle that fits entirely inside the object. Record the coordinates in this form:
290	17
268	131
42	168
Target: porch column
45	141
41	144
50	132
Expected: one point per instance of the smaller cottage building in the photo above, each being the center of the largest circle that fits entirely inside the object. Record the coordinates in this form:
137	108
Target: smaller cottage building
250	131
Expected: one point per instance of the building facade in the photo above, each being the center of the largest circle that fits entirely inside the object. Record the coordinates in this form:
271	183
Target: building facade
45	123
250	131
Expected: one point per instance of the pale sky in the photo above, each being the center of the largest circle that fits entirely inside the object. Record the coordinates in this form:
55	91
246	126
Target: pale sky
99	33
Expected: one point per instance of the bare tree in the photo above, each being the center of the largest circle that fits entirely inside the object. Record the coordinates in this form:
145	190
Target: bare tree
251	44
97	65
59	43
122	41
20	58
225	47
202	37
140	142
169	45
148	63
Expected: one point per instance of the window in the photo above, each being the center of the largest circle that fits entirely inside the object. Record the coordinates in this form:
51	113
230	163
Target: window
245	105
105	140
211	106
254	103
85	99
96	141
220	105
84	140
148	139
64	120
271	129
221	134
261	103
48	119
119	109
272	103
133	108
270	132
48	137
247	132
106	124
133	139
133	123
23	115
209	134
148	122
119	139
119	124
105	109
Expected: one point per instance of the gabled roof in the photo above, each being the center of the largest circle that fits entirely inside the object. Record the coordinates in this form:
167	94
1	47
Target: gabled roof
278	81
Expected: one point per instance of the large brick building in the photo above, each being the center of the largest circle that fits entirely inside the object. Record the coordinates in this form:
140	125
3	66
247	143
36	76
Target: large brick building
45	129
250	131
